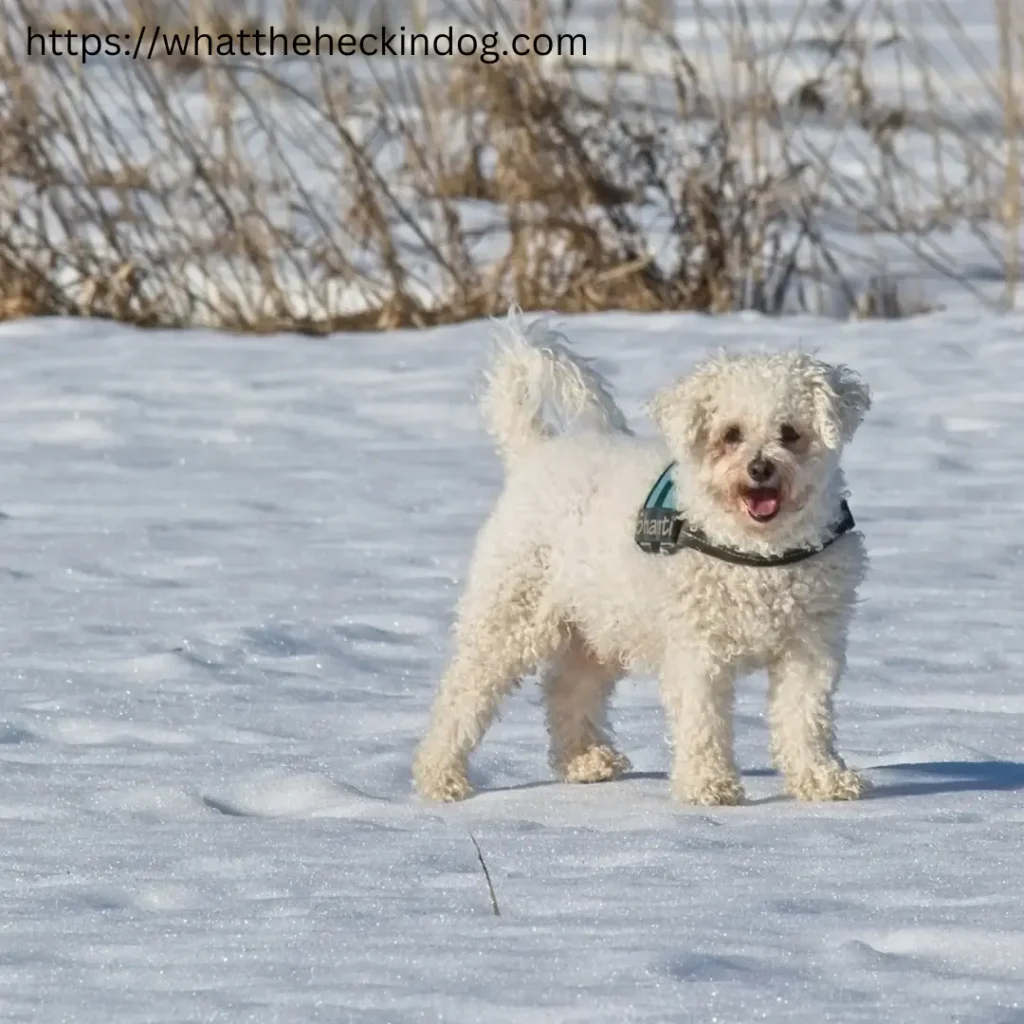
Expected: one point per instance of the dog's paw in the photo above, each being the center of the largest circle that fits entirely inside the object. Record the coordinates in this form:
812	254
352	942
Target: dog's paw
721	791
441	785
598	764
828	782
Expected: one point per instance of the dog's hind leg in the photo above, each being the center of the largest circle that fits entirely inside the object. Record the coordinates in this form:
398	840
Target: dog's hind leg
576	688
503	633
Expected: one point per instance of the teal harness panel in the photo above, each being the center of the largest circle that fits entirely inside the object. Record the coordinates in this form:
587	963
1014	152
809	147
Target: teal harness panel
663	493
657	523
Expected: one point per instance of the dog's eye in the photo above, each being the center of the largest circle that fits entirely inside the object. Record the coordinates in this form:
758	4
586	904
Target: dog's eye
733	435
788	434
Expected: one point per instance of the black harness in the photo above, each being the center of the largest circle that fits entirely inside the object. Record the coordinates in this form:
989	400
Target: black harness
661	529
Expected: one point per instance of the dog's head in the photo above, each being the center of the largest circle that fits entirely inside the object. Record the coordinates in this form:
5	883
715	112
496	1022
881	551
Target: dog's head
762	434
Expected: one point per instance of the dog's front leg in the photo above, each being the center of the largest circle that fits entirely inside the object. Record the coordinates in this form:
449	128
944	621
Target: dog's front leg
698	695
802	681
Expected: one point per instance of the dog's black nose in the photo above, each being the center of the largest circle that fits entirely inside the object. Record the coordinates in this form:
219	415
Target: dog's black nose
761	470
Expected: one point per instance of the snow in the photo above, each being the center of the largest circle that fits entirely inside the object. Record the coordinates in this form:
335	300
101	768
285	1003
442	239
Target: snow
229	569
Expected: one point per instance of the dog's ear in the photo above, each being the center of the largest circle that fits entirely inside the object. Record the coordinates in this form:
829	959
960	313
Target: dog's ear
681	413
841	398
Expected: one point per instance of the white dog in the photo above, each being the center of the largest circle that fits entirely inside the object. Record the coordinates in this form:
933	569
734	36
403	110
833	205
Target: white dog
559	584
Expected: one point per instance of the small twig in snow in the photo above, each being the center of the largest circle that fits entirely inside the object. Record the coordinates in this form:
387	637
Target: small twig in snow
487	876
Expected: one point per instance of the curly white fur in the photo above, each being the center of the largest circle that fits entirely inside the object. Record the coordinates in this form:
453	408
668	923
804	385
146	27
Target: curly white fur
557	584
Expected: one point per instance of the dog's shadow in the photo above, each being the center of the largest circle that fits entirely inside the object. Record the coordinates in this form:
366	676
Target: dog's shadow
950	777
939	777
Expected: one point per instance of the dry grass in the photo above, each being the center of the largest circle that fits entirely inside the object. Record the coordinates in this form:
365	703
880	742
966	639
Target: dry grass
1011	33
324	194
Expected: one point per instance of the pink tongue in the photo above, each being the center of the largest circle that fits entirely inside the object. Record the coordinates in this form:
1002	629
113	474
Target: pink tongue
763	503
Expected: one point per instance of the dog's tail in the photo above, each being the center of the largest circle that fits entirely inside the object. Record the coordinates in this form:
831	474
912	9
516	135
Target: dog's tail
534	376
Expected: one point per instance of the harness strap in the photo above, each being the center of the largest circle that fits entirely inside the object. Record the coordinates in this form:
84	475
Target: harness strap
661	529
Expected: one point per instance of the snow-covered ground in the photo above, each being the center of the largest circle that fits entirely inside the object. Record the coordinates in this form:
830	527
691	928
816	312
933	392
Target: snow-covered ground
229	567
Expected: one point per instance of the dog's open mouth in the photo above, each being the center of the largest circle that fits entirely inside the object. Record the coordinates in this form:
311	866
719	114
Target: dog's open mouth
763	503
